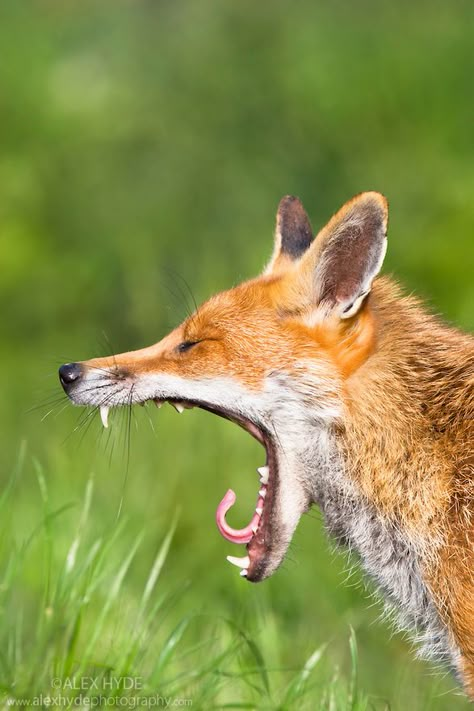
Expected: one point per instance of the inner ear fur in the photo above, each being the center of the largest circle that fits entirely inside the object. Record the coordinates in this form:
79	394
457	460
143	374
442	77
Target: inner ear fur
347	255
293	234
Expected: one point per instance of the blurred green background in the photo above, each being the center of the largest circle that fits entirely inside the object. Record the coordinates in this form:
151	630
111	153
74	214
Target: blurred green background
144	147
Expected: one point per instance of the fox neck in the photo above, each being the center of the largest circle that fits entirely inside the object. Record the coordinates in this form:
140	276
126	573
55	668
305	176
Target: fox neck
402	412
385	477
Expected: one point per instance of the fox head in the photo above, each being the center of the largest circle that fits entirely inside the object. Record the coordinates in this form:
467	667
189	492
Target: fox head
272	355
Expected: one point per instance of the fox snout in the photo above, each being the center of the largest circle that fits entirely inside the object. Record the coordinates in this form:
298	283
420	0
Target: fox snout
69	375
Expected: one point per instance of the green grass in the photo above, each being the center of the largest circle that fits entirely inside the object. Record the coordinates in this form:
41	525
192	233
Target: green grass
90	640
85	621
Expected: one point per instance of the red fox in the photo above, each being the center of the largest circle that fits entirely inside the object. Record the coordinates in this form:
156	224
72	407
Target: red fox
363	402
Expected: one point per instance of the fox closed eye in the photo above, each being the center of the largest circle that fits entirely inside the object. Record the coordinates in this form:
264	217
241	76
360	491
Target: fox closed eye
186	346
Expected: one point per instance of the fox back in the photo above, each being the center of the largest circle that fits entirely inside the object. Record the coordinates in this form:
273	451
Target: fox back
362	401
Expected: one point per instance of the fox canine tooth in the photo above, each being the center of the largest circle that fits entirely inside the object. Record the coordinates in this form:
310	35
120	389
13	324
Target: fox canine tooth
243	573
158	403
239	562
264	472
255	529
104	415
262	493
259	510
178	407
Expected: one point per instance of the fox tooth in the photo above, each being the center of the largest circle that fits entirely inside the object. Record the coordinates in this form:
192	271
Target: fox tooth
178	407
259	510
158	403
104	415
264	472
239	562
262	493
243	573
255	529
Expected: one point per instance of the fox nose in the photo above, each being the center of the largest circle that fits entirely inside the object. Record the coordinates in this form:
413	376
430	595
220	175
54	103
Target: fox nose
69	374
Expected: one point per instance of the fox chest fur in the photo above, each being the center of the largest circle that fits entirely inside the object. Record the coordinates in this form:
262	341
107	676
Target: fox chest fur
387	555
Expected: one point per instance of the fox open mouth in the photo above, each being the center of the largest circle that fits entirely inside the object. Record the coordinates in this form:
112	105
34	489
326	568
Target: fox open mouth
256	535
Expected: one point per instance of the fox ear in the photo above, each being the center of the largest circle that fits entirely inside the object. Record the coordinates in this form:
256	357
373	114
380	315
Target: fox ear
293	234
348	254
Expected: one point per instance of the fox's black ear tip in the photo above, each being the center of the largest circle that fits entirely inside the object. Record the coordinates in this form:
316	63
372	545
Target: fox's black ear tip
293	233
291	210
288	200
293	227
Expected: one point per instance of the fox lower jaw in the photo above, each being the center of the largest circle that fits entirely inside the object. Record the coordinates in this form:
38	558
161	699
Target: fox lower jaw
277	416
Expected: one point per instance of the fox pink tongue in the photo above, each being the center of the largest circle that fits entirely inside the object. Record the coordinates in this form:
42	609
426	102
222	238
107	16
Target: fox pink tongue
242	535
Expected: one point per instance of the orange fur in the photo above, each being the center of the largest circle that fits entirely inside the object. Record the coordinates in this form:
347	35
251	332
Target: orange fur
419	382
